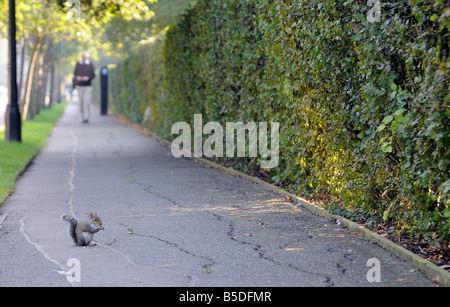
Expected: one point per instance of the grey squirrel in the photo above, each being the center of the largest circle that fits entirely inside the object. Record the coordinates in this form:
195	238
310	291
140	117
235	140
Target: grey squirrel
82	232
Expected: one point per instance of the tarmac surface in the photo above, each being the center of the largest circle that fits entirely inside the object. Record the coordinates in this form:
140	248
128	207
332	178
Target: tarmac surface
169	222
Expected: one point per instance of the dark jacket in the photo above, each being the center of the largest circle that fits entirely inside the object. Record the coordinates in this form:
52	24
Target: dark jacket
84	70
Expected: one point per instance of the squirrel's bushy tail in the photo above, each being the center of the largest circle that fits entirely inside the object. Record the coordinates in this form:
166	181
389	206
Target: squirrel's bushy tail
73	222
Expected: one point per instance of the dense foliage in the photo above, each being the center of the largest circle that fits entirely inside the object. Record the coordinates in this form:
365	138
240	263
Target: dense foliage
52	33
136	84
363	106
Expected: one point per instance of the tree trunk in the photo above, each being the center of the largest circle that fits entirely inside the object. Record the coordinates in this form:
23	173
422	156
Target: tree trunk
41	82
34	95
22	65
52	84
34	53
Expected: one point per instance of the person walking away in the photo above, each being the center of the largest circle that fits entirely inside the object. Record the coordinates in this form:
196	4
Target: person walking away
83	75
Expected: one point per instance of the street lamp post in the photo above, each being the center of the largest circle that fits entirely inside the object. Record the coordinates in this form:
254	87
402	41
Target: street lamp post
12	116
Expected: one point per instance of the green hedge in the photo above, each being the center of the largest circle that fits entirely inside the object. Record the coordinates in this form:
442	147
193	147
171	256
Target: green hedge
134	84
363	106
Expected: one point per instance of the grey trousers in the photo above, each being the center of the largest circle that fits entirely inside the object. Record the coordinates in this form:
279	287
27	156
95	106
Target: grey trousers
85	97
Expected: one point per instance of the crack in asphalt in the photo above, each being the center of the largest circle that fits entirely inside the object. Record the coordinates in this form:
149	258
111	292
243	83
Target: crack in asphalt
207	267
262	253
258	248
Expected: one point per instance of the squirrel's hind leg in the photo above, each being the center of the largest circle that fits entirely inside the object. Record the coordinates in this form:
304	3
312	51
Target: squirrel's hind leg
86	238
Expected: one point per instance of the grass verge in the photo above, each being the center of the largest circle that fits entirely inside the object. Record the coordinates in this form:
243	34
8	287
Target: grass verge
14	156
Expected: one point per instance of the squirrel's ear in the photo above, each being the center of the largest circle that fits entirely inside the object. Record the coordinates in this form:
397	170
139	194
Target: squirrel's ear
90	214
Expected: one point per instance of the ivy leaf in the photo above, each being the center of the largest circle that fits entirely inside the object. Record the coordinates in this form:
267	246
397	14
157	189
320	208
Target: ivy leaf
386	214
386	147
399	111
388	119
447	213
381	128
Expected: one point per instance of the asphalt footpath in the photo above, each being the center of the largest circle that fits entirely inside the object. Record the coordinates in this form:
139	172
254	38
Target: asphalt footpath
170	222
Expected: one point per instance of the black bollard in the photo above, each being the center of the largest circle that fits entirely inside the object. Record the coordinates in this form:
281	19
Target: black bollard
104	91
